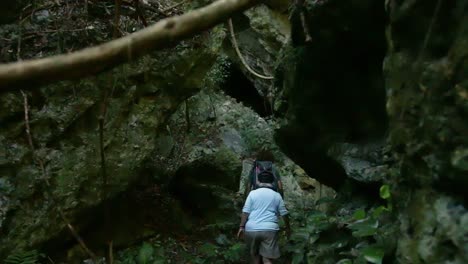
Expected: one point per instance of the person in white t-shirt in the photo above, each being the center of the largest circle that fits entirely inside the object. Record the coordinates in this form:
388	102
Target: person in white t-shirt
259	221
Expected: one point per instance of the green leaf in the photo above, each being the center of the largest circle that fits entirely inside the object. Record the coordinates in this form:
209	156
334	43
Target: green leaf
378	211
222	240
345	261
208	250
235	252
365	227
145	253
460	159
297	258
313	239
23	257
324	200
385	191
300	235
373	254
359	214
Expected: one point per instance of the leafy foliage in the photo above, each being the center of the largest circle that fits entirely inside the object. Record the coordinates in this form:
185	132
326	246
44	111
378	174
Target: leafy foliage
324	237
148	253
218	72
24	257
169	250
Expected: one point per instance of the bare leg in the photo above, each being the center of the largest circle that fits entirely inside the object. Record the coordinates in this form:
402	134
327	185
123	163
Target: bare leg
267	261
256	259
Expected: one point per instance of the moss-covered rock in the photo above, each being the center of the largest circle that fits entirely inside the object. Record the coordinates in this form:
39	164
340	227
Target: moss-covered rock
426	71
64	119
211	153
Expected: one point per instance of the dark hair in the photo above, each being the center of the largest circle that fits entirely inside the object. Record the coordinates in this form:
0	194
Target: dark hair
266	177
265	155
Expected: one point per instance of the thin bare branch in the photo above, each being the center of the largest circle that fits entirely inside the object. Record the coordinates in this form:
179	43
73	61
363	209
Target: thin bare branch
239	54
174	6
118	4
46	180
139	12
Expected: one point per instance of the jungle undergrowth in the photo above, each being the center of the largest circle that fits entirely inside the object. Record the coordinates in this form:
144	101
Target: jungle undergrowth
343	235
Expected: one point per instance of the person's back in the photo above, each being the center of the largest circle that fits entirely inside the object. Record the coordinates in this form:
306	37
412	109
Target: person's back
260	166
263	205
260	221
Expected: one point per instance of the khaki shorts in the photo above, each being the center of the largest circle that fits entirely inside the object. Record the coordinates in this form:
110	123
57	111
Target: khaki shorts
264	243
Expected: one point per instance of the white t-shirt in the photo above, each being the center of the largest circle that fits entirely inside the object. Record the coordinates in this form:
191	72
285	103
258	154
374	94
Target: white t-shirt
263	206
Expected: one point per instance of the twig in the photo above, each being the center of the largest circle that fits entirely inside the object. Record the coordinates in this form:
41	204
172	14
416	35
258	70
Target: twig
118	4
140	13
101	146
174	6
187	115
111	252
107	212
46	180
60	40
213	108
105	184
50	260
302	15
20	32
429	32
61	30
239	54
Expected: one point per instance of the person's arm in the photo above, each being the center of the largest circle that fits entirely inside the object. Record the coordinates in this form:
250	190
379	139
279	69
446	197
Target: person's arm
244	218
283	212
243	221
245	215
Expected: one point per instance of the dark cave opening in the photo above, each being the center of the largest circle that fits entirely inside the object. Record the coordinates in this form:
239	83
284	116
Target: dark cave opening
238	86
338	91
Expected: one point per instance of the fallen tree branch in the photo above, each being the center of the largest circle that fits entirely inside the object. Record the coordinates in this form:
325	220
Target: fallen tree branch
239	54
167	32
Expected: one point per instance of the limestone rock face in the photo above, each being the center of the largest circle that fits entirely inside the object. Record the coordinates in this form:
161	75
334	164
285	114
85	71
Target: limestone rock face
410	94
261	33
64	118
363	162
141	132
426	72
209	157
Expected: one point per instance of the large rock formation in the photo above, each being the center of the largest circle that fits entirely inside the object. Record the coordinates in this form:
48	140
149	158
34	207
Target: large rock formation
135	100
337	107
333	85
426	72
147	144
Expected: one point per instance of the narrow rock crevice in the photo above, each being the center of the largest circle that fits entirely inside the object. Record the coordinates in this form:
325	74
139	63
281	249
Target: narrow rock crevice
337	89
238	86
